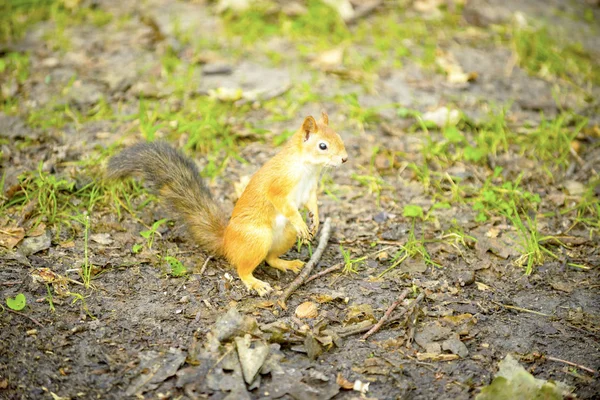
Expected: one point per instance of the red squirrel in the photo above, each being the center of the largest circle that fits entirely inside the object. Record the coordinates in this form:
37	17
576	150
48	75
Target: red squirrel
266	220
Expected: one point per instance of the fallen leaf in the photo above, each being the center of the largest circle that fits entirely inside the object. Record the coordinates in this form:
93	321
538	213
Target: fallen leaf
101	238
308	309
562	286
442	117
312	347
574	188
11	236
482	286
155	368
252	356
329	60
37	230
458	319
513	382
359	313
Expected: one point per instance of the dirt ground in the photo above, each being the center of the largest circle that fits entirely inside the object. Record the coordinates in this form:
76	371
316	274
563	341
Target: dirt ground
141	330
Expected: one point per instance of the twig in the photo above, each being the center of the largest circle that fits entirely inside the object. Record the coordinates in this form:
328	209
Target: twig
572	364
521	309
204	266
366	328
387	314
35	321
324	272
296	283
409	308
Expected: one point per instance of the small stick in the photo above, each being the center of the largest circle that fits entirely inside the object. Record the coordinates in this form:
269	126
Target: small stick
204	266
521	309
410	307
26	316
572	364
324	272
387	314
366	328
296	283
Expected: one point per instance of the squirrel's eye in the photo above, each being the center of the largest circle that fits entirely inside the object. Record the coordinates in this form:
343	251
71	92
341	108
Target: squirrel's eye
322	146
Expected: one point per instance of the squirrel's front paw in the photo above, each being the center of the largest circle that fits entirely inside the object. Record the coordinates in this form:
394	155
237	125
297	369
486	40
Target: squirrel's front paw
303	233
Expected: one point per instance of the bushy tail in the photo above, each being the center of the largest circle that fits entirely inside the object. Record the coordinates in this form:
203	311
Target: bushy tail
177	181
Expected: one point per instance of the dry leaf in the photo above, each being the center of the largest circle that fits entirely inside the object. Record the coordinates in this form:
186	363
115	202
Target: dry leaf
482	286
37	230
442	117
458	319
329	60
493	232
11	236
308	309
358	313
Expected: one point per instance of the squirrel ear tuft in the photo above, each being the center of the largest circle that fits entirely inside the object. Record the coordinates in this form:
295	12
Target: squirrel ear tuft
324	118
309	126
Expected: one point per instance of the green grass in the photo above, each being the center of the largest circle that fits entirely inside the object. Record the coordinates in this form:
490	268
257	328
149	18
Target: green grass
543	55
19	15
351	265
412	248
320	26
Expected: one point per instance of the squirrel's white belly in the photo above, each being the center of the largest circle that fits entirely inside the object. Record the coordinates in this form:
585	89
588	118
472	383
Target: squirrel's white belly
280	223
303	190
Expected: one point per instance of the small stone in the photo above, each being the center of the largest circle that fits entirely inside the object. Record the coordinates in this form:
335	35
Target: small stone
575	188
455	346
466	278
217	69
32	245
433	348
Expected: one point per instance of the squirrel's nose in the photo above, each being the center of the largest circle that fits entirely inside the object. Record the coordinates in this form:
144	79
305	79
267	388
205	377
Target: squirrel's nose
344	159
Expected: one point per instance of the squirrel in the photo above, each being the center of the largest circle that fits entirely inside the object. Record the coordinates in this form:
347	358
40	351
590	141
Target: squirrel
266	219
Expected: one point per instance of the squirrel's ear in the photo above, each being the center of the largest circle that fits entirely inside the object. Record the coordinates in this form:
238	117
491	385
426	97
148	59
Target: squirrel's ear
309	126
324	118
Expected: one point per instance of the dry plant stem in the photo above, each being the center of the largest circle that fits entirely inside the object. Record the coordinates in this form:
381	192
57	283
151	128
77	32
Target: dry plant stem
521	309
296	283
27	316
409	308
572	364
389	321
204	266
324	272
387	314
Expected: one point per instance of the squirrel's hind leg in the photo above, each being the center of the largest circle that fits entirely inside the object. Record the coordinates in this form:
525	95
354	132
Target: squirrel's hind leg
246	254
281	244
